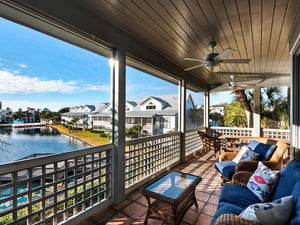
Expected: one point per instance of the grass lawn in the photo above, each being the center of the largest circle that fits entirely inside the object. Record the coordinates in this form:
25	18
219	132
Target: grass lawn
84	135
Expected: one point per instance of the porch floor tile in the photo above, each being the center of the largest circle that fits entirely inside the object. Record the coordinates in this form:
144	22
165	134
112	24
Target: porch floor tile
132	210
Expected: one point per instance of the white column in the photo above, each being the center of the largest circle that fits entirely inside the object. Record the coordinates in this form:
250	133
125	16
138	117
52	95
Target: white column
206	109
295	108
294	44
182	117
118	79
256	113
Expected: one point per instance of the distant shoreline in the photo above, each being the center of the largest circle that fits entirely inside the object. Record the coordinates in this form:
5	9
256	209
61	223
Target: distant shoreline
62	131
88	138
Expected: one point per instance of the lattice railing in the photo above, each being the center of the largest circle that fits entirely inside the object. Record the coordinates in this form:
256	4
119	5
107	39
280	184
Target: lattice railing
277	134
232	131
248	132
51	189
146	156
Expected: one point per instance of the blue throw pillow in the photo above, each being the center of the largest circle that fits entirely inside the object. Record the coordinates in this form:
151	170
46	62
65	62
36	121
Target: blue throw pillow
264	150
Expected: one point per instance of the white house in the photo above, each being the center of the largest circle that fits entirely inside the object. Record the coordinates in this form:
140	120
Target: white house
155	114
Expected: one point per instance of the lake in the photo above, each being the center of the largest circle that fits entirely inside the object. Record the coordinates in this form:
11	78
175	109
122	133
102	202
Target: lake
16	143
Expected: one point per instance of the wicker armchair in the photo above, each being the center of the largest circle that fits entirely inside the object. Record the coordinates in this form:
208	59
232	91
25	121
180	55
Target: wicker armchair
210	143
275	162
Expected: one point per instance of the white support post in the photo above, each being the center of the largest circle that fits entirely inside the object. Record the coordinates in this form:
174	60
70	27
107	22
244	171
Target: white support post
294	44
182	117
118	79
206	109
256	114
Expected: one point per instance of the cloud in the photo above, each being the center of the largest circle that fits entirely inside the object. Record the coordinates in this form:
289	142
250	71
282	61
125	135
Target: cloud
97	87
13	83
23	65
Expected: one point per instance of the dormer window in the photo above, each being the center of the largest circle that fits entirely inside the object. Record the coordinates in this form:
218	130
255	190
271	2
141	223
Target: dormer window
150	106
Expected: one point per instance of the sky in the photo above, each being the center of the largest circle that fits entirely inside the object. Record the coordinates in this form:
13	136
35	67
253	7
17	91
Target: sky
39	71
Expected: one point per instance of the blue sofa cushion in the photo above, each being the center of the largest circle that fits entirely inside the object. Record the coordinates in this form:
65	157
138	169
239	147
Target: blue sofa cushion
265	151
224	208
238	195
295	218
226	168
288	178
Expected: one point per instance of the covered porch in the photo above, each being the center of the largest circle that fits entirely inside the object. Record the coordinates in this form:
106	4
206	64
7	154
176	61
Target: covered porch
154	37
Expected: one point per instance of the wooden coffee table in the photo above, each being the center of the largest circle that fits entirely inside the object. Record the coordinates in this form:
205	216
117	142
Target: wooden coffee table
170	196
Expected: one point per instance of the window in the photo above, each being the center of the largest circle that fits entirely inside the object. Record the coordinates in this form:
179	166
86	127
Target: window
150	106
61	83
194	109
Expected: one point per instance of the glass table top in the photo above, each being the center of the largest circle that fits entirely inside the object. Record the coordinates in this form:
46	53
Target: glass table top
172	185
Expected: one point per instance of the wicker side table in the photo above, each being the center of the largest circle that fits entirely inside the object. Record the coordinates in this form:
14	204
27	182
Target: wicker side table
170	196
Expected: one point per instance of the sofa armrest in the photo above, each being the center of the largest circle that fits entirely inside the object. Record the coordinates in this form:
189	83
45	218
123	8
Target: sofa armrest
230	219
251	166
227	156
241	178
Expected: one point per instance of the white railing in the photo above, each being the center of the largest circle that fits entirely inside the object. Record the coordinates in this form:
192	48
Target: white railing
146	156
277	134
51	189
232	131
193	142
248	132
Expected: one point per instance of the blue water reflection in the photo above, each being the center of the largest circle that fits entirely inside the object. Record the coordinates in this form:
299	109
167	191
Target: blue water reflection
16	143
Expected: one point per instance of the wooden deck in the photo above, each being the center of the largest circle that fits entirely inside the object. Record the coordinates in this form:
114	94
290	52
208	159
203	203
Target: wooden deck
133	209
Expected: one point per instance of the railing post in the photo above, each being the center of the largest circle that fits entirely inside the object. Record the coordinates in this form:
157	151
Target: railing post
182	119
256	119
118	77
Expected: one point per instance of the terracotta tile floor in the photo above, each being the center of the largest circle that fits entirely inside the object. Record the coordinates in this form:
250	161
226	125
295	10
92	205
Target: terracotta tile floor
133	209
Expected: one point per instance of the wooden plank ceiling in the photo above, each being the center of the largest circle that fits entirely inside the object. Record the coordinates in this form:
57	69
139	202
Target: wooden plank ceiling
257	29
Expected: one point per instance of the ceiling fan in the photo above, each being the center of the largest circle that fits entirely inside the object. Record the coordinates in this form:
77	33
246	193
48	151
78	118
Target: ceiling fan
213	59
234	85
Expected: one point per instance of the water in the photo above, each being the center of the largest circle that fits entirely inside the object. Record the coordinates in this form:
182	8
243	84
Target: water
16	143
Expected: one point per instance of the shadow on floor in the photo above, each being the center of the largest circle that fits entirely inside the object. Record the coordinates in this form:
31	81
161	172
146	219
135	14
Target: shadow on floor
133	209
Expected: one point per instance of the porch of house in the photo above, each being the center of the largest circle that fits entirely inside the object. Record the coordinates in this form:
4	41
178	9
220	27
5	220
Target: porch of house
133	209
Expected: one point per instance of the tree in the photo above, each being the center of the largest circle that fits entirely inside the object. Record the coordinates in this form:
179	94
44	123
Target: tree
274	107
64	110
74	121
235	115
134	131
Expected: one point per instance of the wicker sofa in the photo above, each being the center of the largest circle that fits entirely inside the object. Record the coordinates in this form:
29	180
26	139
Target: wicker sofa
227	167
236	197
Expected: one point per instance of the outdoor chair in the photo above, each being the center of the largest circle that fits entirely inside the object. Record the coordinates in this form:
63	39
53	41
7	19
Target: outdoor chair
272	154
210	143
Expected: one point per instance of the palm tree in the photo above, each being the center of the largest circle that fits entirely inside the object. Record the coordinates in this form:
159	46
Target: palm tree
235	115
274	108
74	121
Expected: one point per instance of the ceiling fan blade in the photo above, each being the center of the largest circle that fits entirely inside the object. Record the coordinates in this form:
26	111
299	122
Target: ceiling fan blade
236	60
194	67
192	59
224	54
246	85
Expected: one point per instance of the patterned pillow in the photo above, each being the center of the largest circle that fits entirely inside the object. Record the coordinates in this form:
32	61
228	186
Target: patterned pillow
249	155
272	213
238	157
263	181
